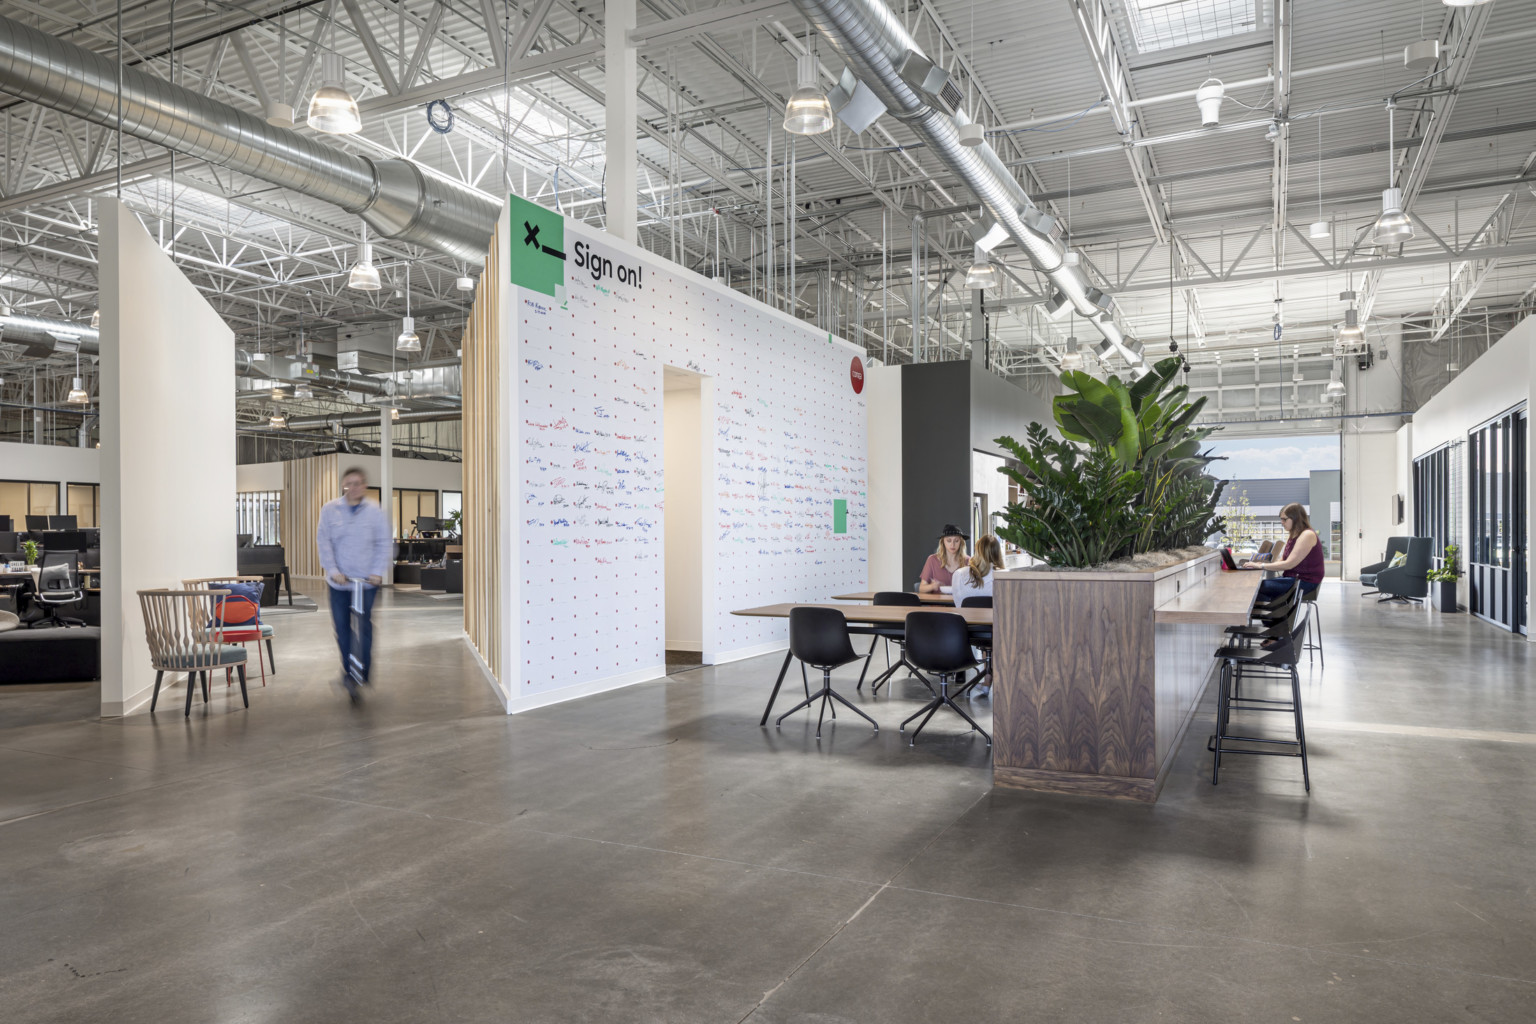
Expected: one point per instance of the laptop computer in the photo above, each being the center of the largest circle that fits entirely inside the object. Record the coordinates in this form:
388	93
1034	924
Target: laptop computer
1226	559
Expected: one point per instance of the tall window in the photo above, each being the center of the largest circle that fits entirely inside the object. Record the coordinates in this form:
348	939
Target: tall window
85	504
1432	499
453	501
410	505
22	498
1496	556
258	514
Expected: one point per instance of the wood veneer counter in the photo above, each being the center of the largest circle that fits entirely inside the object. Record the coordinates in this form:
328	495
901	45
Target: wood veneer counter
1107	575
1220	600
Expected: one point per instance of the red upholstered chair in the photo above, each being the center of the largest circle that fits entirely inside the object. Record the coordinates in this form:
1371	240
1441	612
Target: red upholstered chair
242	618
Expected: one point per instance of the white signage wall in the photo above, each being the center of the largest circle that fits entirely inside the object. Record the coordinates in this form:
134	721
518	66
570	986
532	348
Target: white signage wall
785	481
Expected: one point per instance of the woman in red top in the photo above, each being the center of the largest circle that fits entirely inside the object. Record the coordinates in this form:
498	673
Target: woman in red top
941	566
1301	558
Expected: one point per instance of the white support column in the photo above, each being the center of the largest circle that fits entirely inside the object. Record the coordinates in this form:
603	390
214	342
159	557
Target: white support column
621	84
386	462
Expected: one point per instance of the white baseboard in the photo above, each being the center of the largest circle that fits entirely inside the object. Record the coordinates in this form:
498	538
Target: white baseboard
485	670
685	645
587	689
743	653
137	702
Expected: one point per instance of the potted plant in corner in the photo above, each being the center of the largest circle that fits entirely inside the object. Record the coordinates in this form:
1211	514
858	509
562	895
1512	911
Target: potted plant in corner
1443	593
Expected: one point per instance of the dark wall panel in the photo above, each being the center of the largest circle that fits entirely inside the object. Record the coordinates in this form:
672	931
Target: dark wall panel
935	457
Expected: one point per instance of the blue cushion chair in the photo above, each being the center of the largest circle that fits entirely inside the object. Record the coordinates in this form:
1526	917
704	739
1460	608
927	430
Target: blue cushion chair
1409	581
1368	573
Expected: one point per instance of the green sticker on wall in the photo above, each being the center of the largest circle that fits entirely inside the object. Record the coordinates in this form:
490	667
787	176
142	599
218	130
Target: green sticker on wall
839	515
537	252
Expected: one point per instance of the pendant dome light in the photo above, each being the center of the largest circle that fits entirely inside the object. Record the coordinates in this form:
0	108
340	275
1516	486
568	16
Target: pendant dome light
1072	358
465	283
1320	228
1351	334
808	111
1465	3
303	390
1208	98
332	109
96	320
1335	388
982	272
277	419
77	393
1393	227
408	340
364	276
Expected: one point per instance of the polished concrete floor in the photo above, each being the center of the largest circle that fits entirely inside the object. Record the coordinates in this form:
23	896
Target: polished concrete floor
653	855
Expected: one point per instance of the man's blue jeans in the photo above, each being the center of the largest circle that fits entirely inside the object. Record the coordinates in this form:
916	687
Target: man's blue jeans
341	617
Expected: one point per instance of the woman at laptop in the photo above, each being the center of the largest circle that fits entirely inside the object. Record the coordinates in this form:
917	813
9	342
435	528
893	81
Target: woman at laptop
1300	559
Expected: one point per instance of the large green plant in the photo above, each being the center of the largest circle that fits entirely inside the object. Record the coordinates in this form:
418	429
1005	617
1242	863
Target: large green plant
1142	430
1080	509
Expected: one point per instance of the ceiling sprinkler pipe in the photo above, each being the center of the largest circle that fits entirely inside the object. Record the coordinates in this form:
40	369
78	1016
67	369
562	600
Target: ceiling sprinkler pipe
870	38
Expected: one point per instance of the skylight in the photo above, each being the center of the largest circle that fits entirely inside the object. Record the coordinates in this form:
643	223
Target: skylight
1163	24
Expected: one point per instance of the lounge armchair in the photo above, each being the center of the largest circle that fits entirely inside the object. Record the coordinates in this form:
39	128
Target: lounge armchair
1368	573
1409	581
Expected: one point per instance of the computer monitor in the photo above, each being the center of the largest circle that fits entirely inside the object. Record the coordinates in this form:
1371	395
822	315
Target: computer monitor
37	523
428	524
5	525
245	540
63	522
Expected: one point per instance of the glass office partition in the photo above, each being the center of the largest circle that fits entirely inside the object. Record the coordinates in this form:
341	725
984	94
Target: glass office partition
85	504
1496	509
22	498
410	505
258	513
1432	500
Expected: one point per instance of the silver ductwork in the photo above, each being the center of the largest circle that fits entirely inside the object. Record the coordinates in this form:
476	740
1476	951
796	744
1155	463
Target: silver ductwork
869	36
338	424
397	198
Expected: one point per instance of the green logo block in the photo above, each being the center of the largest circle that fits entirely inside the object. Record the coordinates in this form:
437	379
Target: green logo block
537	252
839	515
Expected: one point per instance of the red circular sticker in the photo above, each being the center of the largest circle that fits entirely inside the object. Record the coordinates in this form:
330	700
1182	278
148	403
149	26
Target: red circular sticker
856	374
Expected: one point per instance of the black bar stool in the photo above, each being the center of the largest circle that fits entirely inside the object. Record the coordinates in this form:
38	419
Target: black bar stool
819	638
1244	659
1314	621
941	642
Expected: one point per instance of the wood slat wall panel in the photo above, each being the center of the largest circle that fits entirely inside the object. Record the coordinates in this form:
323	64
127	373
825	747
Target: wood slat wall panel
307	485
482	511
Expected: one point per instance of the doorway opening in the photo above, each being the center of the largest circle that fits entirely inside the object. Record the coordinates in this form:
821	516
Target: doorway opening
684	434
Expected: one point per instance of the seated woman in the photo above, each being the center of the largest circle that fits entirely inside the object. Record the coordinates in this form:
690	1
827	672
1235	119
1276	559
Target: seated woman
1301	558
939	570
975	579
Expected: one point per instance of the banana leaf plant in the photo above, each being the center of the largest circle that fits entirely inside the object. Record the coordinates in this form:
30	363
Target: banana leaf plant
1080	509
1142	428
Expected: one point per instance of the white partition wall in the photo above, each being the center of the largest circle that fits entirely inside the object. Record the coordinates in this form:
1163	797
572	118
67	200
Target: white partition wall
784	472
167	448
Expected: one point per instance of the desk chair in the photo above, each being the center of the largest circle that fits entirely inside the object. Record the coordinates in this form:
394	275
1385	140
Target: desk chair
185	632
983	643
900	598
940	642
58	585
819	638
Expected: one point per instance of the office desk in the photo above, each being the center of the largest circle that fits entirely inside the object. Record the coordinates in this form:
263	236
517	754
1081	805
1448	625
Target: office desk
865	615
1100	709
869	595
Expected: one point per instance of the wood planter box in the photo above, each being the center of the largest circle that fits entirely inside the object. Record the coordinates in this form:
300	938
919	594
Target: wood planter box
1443	594
1099	673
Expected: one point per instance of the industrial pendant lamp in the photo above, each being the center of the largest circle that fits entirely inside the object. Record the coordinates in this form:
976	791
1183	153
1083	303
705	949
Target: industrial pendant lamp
1320	227
1072	358
96	320
1465	3
332	109
277	419
1335	388
77	393
408	341
808	111
1393	226
364	277
1351	334
303	391
982	273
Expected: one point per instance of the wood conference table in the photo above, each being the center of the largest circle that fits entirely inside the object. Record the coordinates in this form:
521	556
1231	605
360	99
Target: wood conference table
862	615
869	595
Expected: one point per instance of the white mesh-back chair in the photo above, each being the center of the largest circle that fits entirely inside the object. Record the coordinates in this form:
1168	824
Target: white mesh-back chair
185	632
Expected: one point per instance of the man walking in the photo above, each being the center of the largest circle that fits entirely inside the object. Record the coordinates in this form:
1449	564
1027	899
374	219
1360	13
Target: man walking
355	543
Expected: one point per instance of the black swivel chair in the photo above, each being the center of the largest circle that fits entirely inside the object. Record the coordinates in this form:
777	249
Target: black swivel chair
940	642
58	585
898	598
981	641
819	638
